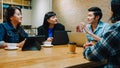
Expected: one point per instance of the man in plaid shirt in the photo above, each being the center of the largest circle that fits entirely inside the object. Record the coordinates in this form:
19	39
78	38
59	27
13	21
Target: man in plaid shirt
108	48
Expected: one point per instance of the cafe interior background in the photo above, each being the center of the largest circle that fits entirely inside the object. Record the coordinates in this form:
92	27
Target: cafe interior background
69	12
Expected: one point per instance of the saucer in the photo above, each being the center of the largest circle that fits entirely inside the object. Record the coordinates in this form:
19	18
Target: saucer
14	48
47	45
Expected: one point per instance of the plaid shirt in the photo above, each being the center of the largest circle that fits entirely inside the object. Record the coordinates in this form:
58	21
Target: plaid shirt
108	48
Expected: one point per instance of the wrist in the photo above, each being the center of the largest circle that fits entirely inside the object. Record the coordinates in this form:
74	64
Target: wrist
89	33
2	43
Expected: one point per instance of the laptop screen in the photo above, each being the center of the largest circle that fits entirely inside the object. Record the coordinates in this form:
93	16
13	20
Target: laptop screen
33	43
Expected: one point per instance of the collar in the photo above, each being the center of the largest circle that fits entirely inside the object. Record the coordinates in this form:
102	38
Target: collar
9	26
100	25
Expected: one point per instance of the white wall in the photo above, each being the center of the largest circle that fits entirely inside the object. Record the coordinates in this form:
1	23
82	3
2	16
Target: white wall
39	8
71	12
26	14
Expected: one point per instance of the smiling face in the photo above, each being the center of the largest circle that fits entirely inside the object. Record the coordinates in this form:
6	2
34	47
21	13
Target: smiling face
92	18
52	20
17	17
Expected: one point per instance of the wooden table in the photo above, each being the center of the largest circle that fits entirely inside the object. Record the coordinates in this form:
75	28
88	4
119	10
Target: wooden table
54	57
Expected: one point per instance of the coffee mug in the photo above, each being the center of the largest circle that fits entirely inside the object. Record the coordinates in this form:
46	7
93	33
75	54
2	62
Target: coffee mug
72	47
11	45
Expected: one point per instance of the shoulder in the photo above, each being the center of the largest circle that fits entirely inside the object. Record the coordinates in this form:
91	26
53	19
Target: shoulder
115	25
114	28
41	28
6	26
2	29
59	24
1	26
104	25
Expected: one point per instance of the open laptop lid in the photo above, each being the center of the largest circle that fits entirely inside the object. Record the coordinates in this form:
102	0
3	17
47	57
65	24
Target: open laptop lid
33	43
79	37
60	38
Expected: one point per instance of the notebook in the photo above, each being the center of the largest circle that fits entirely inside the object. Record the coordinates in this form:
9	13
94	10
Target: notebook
78	37
33	43
60	38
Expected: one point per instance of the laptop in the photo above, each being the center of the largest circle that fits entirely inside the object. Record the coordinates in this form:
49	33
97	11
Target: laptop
60	38
79	37
33	43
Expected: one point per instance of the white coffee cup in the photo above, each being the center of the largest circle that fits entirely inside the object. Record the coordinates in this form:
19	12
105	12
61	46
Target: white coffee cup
11	45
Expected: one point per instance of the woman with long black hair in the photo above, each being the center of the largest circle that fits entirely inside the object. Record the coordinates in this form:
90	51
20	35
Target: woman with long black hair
50	24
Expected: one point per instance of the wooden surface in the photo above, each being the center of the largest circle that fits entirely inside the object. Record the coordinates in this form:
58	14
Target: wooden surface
54	57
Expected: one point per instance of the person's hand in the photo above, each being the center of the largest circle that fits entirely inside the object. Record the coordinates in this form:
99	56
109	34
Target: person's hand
87	44
86	30
20	45
80	27
50	39
84	27
4	45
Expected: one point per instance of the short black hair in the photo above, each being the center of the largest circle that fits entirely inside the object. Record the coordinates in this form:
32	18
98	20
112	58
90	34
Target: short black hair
115	8
97	11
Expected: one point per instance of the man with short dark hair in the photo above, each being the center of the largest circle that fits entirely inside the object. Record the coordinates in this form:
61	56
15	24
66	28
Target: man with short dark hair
95	28
108	48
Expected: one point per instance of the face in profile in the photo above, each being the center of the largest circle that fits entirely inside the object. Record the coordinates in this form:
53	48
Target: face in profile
52	20
91	17
17	17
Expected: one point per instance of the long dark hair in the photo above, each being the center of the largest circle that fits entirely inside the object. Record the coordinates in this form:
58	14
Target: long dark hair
46	17
115	8
10	12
